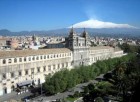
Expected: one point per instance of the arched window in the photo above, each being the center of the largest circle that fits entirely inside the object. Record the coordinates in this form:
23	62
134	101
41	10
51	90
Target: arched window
12	87
53	67
62	55
12	74
5	90
20	59
44	68
33	58
38	81
10	61
44	56
51	56
62	65
37	58
25	59
38	69
58	66
26	72
81	56
4	61
29	59
15	60
41	57
33	82
4	76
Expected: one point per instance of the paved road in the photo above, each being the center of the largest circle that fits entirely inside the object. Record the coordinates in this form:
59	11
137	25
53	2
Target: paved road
14	96
51	98
47	98
63	95
79	99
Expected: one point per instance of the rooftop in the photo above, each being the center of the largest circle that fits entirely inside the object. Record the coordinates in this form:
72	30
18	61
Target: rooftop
100	47
25	53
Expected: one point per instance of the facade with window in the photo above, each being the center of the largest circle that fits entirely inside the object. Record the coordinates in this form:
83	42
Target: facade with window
17	67
21	66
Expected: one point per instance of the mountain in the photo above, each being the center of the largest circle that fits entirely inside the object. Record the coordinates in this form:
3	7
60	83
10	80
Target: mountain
4	32
93	23
93	27
101	28
114	32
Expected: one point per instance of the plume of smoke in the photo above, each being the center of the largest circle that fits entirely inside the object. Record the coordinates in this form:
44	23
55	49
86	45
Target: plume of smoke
91	23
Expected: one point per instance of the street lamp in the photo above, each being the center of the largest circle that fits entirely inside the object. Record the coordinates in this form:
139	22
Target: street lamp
41	88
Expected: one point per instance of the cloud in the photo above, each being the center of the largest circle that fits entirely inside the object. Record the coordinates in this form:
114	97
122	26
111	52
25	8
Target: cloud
92	23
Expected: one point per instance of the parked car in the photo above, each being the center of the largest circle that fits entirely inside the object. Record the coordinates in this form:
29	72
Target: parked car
26	99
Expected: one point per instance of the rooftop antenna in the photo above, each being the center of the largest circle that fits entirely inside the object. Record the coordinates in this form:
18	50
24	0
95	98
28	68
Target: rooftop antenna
72	28
84	29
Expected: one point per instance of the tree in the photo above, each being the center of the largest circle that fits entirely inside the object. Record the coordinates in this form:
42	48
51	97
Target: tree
65	79
98	99
89	88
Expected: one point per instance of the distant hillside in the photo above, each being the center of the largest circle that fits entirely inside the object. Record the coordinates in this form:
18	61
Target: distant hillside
116	32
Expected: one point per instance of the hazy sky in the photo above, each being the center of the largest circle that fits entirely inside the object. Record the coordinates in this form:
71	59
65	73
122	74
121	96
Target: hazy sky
19	15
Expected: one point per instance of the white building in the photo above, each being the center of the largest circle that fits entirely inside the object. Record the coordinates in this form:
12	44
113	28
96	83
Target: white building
26	67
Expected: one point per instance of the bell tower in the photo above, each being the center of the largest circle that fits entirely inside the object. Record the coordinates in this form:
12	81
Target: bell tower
79	46
86	36
71	40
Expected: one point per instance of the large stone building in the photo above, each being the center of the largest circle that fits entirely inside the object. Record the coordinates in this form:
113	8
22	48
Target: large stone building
26	67
3	43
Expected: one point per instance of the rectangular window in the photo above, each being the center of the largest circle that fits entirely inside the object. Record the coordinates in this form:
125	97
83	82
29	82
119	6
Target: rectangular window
66	64
29	58
4	61
20	59
26	72
10	61
81	56
37	58
38	69
33	58
58	66
40	57
53	67
32	70
15	60
71	63
44	68
4	76
51	56
44	56
62	65
12	74
19	73
49	67
25	59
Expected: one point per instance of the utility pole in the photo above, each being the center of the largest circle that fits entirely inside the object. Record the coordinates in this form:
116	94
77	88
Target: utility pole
41	89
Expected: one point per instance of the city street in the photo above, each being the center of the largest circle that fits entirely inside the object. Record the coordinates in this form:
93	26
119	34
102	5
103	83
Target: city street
14	96
43	98
62	95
